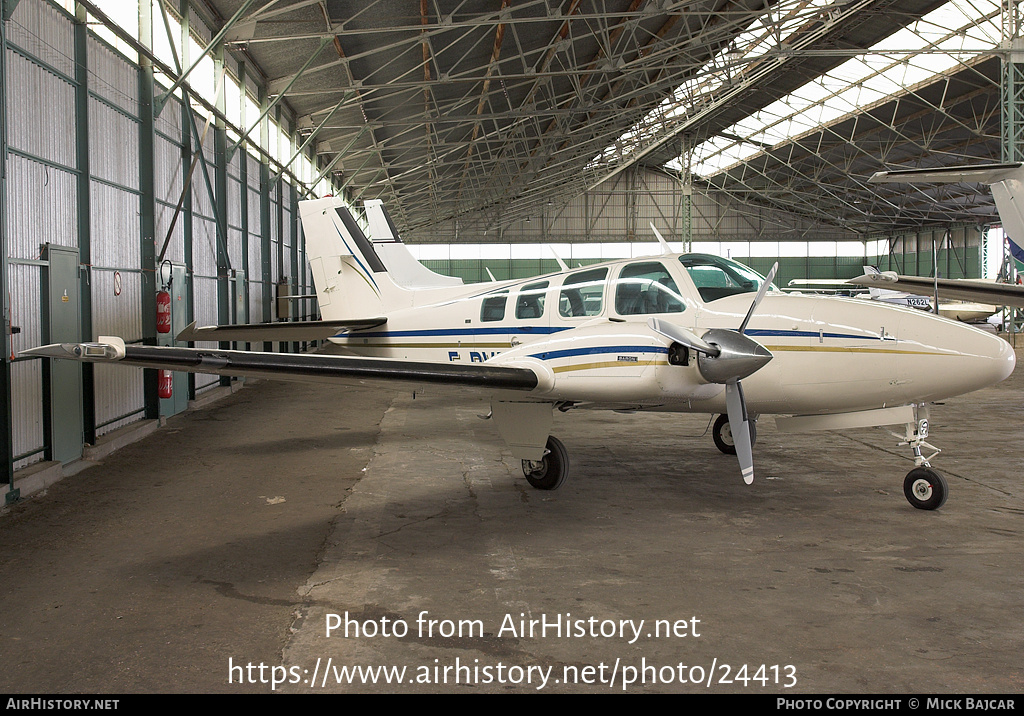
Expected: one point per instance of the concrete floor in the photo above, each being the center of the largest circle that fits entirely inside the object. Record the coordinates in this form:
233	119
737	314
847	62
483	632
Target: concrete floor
223	546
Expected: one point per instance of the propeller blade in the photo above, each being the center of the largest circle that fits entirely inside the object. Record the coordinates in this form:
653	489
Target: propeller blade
740	427
682	336
760	295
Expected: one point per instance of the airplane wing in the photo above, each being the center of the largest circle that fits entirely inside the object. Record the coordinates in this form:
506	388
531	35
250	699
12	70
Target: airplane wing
282	331
996	294
299	367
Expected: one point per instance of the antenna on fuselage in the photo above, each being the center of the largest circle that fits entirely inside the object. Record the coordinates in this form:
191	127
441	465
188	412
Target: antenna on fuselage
665	248
561	264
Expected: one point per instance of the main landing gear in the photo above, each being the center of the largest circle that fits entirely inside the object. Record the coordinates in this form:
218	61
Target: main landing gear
550	471
722	435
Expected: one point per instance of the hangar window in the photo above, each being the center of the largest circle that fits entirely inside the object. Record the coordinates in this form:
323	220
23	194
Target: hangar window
646	288
530	303
583	293
493	307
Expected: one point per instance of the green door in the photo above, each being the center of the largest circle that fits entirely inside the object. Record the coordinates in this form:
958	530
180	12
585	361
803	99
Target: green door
64	325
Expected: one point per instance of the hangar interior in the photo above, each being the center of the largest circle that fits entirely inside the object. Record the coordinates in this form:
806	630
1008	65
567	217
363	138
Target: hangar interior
166	143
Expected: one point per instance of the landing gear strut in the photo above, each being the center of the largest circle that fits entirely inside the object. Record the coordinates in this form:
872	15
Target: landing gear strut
722	435
924	487
550	471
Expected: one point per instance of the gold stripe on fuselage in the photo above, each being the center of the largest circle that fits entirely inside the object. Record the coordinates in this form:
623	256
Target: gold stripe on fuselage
607	364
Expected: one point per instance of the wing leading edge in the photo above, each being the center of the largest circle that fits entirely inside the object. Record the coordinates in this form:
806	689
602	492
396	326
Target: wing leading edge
300	367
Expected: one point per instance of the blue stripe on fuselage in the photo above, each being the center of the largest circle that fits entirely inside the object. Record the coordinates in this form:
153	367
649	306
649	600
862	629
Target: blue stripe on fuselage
595	350
434	332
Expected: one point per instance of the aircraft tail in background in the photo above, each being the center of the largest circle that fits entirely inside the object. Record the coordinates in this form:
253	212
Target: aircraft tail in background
406	271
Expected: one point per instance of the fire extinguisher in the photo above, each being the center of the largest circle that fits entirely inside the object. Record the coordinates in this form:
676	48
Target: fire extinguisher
163	312
165	384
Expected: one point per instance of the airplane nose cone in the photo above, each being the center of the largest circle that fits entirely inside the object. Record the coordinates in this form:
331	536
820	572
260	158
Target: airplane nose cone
1003	359
940	358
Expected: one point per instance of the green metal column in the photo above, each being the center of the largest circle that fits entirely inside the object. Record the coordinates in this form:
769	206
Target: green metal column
6	413
186	218
244	168
1012	82
686	195
265	189
147	204
293	211
220	205
84	212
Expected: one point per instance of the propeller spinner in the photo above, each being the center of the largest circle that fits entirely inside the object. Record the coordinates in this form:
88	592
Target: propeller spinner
727	356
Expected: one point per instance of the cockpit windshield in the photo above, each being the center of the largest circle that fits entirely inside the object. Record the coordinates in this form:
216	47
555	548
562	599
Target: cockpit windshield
717	278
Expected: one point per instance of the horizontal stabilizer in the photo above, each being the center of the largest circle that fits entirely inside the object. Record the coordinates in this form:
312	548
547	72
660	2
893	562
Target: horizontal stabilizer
296	367
283	331
1006	180
995	294
982	174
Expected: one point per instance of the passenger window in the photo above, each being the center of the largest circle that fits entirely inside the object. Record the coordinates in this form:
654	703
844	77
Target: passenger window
493	307
583	293
646	288
530	303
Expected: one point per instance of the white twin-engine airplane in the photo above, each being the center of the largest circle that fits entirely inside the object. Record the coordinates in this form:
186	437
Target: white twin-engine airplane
673	333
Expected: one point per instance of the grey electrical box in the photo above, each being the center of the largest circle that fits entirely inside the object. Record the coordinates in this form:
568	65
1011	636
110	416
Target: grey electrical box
284	304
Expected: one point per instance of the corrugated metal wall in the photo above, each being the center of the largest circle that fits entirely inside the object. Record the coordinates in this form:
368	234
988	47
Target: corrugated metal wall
41	192
44	168
115	276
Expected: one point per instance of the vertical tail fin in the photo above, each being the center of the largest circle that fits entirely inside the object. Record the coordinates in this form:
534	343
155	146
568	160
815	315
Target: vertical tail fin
872	291
350	278
401	264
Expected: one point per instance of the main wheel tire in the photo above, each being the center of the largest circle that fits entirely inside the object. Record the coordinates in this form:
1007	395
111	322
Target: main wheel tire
722	435
551	470
925	488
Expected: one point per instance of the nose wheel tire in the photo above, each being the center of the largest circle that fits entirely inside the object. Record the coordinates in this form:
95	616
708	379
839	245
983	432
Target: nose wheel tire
925	488
722	435
550	471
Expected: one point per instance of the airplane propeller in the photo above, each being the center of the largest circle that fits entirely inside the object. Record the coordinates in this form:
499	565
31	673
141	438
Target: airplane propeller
727	356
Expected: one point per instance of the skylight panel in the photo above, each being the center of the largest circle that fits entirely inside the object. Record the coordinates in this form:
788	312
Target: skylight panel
957	28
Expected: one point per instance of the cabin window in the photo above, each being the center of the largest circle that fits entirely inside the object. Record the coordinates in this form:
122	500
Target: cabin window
646	288
493	307
583	293
530	302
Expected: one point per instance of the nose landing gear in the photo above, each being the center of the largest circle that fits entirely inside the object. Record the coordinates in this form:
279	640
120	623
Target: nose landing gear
924	487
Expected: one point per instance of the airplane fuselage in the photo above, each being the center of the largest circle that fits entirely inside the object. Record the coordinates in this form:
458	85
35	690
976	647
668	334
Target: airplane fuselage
586	333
